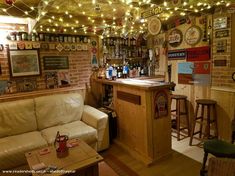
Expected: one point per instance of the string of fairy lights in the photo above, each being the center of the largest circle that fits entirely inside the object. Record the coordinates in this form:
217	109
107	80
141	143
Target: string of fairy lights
130	22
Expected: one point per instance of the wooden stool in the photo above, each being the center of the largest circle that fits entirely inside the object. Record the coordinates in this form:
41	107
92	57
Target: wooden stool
178	113
211	105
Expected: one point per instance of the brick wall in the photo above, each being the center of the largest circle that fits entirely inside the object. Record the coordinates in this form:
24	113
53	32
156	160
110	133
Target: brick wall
79	69
222	75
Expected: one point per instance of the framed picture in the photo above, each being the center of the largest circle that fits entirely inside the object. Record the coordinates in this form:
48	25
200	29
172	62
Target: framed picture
24	63
55	62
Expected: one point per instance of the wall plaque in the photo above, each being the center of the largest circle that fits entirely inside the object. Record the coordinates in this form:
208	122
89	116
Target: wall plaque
222	33
220	23
154	11
176	54
55	62
221	46
198	54
160	104
175	38
219	63
193	35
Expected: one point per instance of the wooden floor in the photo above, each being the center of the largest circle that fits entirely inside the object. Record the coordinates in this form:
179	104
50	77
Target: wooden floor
185	161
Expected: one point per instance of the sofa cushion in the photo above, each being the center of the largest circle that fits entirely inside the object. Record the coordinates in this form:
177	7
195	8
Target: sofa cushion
13	148
58	109
77	129
17	117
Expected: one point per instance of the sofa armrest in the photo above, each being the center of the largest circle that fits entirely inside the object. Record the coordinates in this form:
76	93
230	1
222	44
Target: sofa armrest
98	120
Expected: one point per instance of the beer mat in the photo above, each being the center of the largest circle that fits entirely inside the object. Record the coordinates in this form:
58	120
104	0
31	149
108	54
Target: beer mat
39	166
71	144
44	151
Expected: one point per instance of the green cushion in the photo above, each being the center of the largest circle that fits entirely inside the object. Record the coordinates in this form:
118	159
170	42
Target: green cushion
219	148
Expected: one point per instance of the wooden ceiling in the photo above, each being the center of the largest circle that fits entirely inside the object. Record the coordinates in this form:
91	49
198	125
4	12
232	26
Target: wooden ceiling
94	16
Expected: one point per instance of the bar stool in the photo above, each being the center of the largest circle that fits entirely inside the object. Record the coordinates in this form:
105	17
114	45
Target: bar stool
178	113
210	105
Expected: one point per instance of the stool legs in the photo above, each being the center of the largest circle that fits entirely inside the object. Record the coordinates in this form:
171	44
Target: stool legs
203	169
178	114
209	106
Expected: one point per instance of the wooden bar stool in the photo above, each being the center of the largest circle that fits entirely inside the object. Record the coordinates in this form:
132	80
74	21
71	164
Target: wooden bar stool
177	113
210	106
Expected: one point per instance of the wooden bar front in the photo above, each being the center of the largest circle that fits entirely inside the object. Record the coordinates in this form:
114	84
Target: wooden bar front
142	129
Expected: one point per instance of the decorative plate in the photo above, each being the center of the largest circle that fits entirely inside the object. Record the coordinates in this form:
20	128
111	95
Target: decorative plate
175	38
154	26
193	35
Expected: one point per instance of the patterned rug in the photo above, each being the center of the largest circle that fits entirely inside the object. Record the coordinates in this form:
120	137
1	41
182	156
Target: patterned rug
118	166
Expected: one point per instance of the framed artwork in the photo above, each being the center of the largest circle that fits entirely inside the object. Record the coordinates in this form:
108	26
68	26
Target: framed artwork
24	63
55	62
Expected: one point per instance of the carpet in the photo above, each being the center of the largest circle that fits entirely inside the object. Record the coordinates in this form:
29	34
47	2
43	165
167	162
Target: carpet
118	166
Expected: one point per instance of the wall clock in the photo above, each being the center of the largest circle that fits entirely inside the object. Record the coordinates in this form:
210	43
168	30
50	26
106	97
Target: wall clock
193	35
154	26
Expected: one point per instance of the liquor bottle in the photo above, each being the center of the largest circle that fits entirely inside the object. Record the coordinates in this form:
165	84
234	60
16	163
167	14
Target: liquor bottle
110	72
114	73
119	71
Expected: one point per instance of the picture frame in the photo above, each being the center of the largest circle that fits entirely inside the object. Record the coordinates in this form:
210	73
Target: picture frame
24	63
55	62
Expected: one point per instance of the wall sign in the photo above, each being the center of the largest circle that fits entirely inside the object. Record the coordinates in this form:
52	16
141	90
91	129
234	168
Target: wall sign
176	54
220	23
152	12
193	35
175	38
198	54
220	63
55	62
160	104
221	46
222	33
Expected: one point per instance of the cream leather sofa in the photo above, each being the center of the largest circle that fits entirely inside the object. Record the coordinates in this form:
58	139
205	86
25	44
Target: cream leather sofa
32	123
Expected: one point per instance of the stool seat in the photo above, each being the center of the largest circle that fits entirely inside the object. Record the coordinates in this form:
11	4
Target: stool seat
178	96
205	101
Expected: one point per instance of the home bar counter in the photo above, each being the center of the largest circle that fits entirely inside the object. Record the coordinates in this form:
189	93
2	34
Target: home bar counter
143	115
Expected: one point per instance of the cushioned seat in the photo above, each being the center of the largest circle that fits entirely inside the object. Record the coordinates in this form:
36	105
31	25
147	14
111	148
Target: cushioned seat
13	148
76	129
219	148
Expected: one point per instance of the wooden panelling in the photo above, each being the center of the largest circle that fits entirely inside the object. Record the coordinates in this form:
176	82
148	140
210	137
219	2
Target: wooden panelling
132	98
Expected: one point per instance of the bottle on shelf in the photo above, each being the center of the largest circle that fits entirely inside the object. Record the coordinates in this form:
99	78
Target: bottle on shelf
114	73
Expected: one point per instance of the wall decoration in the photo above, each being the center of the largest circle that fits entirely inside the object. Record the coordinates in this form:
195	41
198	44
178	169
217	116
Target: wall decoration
28	45
160	104
13	46
67	47
193	35
233	76
94	60
175	38
185	72
51	79
63	78
220	62
220	23
21	45
153	11
176	54
44	46
3	86
221	33
194	73
154	26
25	85
198	53
221	46
24	63
36	45
55	62
59	47
52	46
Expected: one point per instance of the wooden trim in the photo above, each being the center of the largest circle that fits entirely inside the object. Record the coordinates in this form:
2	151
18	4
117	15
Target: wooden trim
23	95
132	98
232	61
